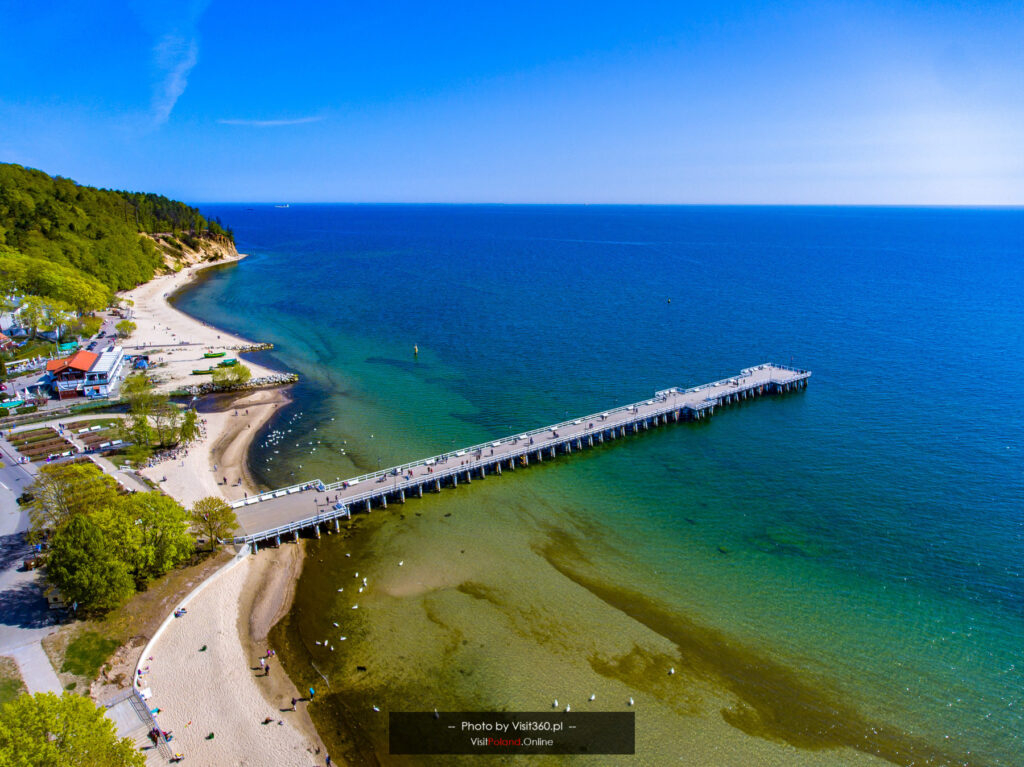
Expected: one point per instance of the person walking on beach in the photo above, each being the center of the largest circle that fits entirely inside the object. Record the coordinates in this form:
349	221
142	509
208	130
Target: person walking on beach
294	701
266	671
263	662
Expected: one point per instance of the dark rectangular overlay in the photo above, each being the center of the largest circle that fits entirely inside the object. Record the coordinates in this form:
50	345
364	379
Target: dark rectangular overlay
504	732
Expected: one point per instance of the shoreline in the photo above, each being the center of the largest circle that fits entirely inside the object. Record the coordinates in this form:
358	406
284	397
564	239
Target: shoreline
216	464
257	592
204	672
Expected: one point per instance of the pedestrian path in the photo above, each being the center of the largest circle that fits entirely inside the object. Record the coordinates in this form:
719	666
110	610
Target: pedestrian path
36	669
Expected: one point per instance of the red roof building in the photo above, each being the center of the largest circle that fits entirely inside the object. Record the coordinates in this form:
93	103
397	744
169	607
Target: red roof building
68	373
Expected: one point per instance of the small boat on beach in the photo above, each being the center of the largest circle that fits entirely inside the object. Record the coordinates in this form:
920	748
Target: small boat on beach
198	372
211	355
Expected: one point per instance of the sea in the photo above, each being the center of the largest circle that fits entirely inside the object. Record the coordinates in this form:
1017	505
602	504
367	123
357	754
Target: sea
828	577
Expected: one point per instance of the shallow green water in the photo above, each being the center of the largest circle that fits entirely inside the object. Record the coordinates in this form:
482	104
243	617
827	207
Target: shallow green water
833	569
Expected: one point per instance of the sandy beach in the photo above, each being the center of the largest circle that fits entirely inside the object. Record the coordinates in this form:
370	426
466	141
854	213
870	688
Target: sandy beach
227	432
205	674
217	689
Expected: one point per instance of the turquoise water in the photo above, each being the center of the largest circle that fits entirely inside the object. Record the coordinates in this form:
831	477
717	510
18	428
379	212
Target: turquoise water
867	534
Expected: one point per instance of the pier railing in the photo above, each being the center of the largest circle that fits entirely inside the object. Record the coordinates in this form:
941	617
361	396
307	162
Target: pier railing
478	457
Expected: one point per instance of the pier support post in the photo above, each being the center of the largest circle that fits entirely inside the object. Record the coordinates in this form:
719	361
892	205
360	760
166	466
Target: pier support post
455	479
497	469
552	452
316	530
437	485
419	489
469	477
384	501
337	525
401	496
367	505
255	547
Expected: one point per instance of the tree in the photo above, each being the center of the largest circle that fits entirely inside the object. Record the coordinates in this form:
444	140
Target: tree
166	420
214	518
149	532
125	328
142	399
189	430
64	490
33	314
85	568
88	326
230	377
43	730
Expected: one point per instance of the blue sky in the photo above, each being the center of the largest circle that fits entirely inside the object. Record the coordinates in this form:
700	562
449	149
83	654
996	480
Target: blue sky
676	102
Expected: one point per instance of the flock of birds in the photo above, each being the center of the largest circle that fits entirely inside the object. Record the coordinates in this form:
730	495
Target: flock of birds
366	584
278	437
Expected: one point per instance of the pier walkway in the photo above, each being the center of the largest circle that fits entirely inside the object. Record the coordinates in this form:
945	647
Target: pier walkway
315	506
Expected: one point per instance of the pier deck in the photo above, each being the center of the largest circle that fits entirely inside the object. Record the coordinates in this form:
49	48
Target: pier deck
315	505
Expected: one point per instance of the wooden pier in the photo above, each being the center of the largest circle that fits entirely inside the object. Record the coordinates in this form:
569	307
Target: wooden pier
314	506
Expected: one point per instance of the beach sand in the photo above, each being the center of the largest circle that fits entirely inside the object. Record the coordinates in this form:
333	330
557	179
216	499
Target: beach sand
227	431
221	690
217	689
177	341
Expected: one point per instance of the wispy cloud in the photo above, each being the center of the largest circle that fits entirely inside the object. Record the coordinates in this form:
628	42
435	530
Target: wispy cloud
273	123
174	56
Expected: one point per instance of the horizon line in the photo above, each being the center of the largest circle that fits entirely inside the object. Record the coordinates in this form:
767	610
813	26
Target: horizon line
966	205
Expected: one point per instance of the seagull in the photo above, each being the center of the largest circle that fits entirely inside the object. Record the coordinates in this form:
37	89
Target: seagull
567	708
355	607
343	638
317	641
631	701
555	704
348	555
671	671
592	696
356	575
335	624
376	709
401	563
341	589
360	589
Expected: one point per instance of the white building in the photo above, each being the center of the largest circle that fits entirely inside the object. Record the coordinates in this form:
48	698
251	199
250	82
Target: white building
103	378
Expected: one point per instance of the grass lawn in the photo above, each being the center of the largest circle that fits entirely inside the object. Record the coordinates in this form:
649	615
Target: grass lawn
11	685
35	348
86	654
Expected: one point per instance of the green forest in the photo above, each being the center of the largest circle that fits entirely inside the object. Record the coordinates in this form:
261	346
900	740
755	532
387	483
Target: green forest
78	244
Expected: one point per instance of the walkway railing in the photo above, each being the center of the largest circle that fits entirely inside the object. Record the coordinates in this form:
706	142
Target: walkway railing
476	457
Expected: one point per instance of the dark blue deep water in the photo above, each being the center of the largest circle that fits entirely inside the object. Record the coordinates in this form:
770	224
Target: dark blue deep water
869	531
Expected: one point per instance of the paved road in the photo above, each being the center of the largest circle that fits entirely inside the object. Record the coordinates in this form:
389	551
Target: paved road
24	616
